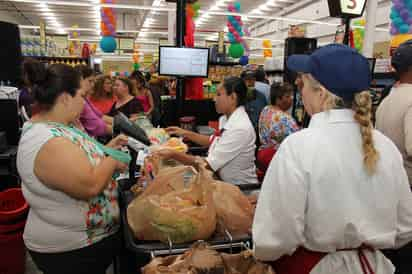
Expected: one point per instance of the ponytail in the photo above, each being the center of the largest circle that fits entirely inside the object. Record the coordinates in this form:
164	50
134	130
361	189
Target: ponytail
362	105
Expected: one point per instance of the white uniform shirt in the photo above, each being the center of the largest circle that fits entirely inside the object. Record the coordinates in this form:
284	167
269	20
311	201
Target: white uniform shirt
317	194
232	154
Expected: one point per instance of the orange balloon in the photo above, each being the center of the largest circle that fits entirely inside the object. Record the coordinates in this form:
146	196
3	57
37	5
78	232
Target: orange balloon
189	11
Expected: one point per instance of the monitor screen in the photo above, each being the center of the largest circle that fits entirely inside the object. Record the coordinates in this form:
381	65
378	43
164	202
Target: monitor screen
192	62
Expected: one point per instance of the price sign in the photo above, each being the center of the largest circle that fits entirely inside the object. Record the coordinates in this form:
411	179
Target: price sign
346	8
354	7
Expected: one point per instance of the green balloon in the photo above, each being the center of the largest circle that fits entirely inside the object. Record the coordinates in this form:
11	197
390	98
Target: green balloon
196	6
236	50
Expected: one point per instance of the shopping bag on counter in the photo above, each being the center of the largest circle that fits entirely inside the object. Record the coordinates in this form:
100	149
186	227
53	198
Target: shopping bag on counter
202	259
233	208
245	263
177	205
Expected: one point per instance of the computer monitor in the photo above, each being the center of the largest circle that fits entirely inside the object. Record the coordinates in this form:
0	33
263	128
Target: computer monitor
184	62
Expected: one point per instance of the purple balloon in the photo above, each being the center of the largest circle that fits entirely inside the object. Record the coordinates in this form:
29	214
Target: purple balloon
398	5
105	20
393	30
404	14
111	29
409	21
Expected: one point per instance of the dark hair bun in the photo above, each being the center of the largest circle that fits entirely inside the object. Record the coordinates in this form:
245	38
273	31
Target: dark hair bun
57	79
33	71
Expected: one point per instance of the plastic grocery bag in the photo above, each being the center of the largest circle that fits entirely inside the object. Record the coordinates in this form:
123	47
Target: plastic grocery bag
233	208
202	259
177	205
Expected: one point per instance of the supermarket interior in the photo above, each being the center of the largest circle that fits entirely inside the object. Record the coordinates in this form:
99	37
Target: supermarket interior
206	136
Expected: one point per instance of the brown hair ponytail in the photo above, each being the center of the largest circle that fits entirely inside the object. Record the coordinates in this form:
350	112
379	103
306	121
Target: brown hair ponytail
362	105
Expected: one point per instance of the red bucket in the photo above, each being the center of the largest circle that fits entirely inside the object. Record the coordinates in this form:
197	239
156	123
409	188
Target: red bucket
13	253
13	206
12	227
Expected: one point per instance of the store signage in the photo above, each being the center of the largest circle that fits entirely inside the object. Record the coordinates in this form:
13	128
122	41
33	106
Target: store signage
126	43
346	8
43	35
221	43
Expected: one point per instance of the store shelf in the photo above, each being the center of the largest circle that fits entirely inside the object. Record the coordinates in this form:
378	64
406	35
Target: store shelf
226	64
48	59
384	75
274	71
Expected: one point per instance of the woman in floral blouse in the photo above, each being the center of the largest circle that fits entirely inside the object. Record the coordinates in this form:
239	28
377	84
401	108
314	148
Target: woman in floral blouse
275	123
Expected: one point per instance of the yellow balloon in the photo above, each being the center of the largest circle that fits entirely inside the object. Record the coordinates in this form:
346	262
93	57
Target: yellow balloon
362	22
399	39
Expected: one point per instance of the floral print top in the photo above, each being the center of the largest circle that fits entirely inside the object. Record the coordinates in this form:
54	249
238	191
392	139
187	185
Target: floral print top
274	126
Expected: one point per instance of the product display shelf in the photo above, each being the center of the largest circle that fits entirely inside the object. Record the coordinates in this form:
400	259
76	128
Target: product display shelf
63	60
274	71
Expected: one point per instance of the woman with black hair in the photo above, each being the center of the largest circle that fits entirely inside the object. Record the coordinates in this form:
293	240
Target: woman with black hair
68	181
232	149
275	123
26	100
143	94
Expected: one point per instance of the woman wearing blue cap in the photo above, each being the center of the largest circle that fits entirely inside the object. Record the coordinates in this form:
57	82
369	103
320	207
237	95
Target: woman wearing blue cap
336	192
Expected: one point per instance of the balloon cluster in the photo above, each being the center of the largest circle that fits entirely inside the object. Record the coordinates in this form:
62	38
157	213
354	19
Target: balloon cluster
267	48
238	44
108	27
401	17
136	57
358	34
192	10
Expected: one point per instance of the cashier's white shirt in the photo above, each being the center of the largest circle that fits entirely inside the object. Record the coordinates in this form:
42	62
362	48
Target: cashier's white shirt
316	194
232	154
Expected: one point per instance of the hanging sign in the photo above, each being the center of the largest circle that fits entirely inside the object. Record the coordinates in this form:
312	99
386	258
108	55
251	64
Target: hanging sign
346	8
221	43
43	35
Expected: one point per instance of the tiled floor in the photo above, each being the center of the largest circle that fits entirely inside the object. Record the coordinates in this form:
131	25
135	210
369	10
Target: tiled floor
32	269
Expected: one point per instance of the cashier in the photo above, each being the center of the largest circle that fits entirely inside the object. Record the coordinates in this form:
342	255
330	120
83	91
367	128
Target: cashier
336	192
232	149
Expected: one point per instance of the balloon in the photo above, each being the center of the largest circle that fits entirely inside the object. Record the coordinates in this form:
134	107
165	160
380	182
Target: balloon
108	44
404	14
196	6
409	21
394	14
230	18
136	66
230	7
237	6
393	30
398	6
189	11
244	60
397	21
236	50
404	28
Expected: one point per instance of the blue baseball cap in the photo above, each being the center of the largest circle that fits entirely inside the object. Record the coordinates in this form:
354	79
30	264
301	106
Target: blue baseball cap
339	68
402	57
